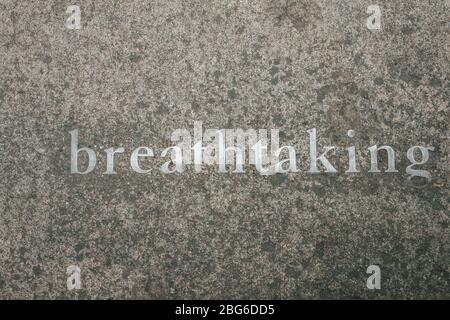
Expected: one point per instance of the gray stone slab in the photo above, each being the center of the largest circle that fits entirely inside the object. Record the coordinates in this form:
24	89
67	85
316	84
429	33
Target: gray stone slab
137	70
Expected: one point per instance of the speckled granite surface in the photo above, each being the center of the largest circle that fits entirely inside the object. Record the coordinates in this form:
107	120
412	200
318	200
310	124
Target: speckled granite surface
137	70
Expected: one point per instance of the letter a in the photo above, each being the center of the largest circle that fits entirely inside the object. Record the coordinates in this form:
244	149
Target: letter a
74	280
374	281
374	20
74	20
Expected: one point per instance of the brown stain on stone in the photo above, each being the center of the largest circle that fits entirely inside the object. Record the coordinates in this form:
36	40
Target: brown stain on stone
303	14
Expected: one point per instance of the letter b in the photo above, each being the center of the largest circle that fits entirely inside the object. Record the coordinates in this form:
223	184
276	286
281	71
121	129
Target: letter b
74	155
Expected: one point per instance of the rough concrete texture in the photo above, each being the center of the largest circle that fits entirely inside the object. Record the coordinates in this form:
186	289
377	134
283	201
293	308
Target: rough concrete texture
137	70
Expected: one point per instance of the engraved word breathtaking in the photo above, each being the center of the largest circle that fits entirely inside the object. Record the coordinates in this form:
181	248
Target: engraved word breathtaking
232	149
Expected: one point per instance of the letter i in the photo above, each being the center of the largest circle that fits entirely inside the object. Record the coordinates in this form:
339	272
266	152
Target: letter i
351	155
